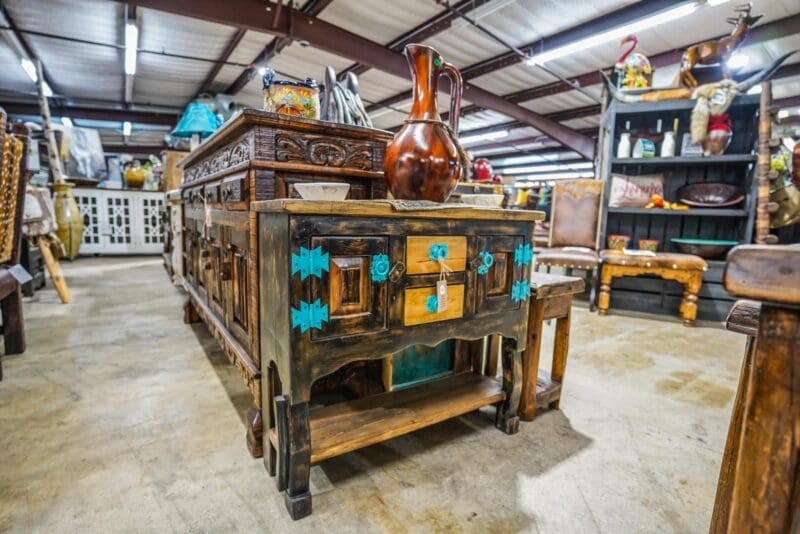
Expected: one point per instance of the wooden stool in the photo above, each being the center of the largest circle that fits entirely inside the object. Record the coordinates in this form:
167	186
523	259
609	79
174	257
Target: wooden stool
551	298
685	269
758	483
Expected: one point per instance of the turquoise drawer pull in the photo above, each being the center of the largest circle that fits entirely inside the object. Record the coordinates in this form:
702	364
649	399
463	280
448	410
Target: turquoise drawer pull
437	251
379	270
488	261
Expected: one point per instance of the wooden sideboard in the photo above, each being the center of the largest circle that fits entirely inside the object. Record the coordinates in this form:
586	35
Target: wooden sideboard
258	156
347	281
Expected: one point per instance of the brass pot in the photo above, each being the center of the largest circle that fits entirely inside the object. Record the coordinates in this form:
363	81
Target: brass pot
68	217
788	212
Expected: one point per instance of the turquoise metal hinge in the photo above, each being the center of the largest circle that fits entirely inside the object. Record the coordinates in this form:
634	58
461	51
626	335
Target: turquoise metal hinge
523	255
437	251
310	262
379	270
488	261
309	315
521	290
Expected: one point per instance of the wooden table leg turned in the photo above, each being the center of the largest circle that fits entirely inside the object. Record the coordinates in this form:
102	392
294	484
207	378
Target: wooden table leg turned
688	308
604	298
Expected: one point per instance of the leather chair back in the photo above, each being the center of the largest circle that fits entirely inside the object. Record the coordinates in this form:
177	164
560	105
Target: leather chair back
575	216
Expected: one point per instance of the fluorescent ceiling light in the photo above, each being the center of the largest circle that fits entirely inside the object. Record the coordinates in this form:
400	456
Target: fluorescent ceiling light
29	68
526	181
755	90
716	2
131	44
262	71
738	61
483	137
126	128
782	114
549	168
66	121
613	34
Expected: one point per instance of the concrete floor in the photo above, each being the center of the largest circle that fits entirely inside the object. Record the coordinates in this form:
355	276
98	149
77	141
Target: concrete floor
121	418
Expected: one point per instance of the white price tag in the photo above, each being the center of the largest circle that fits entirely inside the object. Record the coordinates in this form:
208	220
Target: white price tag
441	295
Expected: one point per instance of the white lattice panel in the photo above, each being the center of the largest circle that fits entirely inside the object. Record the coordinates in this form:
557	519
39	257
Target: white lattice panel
120	221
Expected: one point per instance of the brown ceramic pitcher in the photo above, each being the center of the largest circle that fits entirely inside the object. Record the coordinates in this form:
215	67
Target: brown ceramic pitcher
423	161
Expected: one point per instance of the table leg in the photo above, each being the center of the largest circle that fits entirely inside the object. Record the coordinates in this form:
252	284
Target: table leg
506	418
267	403
560	351
688	307
297	496
492	355
530	360
604	299
254	431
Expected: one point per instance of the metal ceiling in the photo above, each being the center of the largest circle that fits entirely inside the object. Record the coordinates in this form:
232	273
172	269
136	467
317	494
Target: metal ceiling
87	74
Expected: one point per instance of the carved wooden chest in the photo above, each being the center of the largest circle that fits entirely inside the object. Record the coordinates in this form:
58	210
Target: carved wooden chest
347	281
258	156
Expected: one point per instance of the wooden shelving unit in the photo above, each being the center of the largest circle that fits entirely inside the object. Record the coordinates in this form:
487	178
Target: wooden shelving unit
737	166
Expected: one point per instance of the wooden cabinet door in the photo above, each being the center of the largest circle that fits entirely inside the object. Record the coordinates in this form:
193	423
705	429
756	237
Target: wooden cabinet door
356	303
191	252
493	287
238	285
215	271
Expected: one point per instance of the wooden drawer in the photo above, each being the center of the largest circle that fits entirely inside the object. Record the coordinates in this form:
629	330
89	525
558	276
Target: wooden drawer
234	189
418	248
415	306
211	194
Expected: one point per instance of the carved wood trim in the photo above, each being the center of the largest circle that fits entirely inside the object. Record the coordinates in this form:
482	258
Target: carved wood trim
235	153
324	150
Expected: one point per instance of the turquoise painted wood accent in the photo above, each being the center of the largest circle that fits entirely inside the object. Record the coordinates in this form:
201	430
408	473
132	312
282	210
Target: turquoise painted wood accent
432	304
309	315
420	363
488	261
379	270
437	250
521	290
310	262
524	254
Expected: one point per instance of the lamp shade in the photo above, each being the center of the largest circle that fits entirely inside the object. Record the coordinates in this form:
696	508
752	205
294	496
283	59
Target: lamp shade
197	119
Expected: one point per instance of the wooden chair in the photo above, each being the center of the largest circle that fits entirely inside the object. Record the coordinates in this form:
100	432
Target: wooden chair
575	230
12	193
759	482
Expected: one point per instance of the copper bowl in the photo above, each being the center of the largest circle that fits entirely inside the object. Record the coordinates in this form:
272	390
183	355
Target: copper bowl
710	195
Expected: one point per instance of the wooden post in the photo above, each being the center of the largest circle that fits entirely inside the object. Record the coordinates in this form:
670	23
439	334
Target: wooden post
764	156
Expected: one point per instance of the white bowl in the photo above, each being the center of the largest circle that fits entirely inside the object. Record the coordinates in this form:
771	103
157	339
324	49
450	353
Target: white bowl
493	201
322	190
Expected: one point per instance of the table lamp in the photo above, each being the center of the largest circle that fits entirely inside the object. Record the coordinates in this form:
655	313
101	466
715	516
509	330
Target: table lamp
197	121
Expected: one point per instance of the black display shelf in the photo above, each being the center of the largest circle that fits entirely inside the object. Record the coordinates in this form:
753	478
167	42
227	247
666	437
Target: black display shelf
696	212
688	160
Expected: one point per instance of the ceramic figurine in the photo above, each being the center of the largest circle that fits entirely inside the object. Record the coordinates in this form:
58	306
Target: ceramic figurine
481	170
633	70
299	99
718	50
718	136
424	161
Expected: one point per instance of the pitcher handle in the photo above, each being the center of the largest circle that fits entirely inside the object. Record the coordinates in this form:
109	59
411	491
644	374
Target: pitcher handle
456	84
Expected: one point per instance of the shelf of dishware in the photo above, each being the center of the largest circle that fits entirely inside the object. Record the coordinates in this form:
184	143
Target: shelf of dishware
688	160
702	212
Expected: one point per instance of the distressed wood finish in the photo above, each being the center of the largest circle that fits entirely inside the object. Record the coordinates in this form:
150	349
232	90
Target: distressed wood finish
370	321
257	156
551	298
759	485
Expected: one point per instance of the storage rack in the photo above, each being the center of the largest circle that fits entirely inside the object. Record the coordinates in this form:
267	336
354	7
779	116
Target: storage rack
737	166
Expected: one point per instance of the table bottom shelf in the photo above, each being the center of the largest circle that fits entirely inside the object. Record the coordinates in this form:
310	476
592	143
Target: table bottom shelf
547	389
347	426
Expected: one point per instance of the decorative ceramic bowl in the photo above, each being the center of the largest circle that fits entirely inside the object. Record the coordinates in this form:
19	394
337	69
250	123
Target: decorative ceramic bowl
648	244
710	195
322	190
618	242
493	201
705	248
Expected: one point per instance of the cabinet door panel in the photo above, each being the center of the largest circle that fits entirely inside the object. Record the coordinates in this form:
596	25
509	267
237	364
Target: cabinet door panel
216	270
355	303
493	289
239	285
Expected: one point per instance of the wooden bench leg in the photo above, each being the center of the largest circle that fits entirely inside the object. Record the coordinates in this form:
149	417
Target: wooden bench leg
688	308
604	299
530	360
560	351
297	497
727	472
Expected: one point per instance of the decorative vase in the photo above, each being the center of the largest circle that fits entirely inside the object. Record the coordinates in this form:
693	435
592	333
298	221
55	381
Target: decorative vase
718	137
668	145
134	175
424	160
298	99
68	218
624	147
618	242
481	170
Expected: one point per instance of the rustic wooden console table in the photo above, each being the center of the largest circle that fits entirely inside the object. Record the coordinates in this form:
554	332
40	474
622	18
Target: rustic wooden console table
257	156
346	281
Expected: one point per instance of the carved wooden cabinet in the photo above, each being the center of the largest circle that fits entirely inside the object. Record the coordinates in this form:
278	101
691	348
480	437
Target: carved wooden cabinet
258	156
347	281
